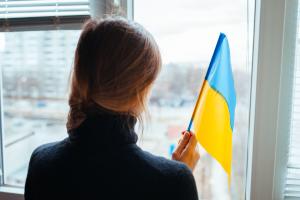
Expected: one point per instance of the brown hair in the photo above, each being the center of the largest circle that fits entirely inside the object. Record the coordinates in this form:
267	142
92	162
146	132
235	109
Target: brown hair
116	62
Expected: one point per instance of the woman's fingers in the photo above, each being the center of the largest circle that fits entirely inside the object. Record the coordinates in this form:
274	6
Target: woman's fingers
193	141
181	146
187	150
190	148
184	141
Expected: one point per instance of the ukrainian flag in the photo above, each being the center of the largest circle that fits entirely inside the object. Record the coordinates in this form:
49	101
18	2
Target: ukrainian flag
213	117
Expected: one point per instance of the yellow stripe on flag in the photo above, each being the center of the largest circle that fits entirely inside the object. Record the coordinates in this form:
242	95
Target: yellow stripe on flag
212	126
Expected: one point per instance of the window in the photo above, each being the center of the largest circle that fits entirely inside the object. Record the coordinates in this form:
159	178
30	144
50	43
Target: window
35	64
35	68
187	32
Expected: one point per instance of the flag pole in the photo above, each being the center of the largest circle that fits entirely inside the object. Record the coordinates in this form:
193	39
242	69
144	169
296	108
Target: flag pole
195	108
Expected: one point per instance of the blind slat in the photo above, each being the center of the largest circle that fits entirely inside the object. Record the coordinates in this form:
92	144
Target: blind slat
43	8
33	3
10	9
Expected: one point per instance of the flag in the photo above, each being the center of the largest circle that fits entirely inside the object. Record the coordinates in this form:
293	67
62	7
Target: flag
213	116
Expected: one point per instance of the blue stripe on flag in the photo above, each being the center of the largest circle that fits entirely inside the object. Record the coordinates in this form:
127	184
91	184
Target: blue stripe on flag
219	75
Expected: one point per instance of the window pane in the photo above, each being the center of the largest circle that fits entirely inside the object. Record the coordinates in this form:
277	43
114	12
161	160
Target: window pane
187	32
35	68
35	71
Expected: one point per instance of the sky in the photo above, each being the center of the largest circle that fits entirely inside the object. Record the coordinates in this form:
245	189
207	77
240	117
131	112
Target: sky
187	30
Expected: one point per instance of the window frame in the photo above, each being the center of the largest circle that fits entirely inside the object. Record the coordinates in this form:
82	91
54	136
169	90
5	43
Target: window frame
6	192
45	23
273	61
286	96
11	193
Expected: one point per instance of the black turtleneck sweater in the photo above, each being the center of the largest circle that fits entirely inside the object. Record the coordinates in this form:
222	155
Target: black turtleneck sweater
100	160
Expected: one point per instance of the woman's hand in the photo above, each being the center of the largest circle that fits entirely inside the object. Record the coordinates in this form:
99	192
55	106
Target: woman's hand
186	150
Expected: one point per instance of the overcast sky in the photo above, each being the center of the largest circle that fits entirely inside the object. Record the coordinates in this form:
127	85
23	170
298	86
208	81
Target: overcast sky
187	30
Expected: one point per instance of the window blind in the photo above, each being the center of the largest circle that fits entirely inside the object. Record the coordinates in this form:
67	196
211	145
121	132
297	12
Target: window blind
41	8
292	186
27	12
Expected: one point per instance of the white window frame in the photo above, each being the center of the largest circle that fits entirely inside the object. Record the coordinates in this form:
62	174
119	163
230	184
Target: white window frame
273	61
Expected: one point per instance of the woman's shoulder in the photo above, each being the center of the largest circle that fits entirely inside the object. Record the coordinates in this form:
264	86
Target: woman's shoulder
176	176
166	167
47	152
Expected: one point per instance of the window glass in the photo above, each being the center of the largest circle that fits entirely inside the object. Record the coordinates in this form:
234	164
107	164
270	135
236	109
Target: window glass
187	32
35	70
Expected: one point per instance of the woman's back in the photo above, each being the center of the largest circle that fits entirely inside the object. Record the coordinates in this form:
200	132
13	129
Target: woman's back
100	160
115	64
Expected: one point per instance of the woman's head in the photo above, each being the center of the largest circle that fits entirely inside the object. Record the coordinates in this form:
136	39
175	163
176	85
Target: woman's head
116	62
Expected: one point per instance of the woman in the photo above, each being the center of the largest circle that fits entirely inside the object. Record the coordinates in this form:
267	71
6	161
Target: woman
115	65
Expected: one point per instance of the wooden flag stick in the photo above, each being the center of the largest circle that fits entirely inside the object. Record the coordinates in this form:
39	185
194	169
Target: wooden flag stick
195	108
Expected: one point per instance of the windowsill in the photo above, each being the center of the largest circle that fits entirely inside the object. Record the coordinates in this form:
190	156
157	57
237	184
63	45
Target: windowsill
11	193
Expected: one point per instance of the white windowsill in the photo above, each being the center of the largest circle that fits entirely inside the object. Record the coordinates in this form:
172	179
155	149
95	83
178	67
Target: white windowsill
11	193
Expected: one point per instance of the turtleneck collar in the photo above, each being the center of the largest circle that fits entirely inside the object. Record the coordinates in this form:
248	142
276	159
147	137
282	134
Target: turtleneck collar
106	129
